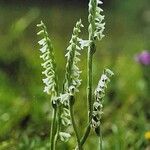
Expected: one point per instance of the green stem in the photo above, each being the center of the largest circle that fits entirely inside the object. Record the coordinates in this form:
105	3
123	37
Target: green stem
53	129
100	138
89	83
91	51
85	136
74	125
58	123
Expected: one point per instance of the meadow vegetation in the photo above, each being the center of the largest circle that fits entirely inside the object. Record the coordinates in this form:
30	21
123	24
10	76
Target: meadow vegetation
25	115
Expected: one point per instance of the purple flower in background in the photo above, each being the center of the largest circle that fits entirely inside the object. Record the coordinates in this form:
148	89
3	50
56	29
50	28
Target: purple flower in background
143	58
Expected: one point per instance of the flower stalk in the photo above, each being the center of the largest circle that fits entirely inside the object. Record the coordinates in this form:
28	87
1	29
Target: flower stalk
72	81
99	95
51	83
72	100
95	29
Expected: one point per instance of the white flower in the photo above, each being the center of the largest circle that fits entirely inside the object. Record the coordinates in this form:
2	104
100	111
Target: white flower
64	99
64	136
84	43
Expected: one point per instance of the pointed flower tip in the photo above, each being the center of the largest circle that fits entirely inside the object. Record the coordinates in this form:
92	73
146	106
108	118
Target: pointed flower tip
99	2
40	32
108	72
79	23
40	24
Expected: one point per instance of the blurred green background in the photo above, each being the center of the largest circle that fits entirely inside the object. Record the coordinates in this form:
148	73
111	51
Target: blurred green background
25	112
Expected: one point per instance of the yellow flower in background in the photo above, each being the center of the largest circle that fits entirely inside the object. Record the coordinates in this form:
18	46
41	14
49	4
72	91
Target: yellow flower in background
147	135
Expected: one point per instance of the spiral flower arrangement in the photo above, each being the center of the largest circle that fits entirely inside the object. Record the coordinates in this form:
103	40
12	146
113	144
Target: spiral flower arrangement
96	25
99	95
49	64
72	75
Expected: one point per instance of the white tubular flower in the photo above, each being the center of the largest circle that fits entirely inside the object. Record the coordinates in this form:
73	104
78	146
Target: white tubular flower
99	95
95	18
64	136
65	117
84	43
49	65
72	75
